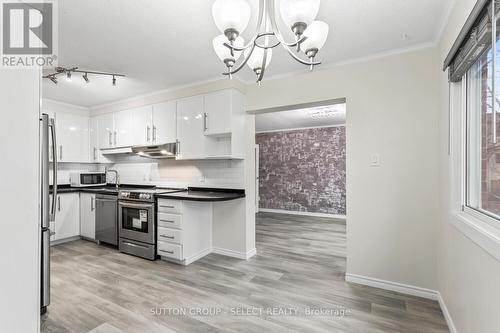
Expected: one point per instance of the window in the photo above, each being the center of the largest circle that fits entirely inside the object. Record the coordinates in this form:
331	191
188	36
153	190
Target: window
482	137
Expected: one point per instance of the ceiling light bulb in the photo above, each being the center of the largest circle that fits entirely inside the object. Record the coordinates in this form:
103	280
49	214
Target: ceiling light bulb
255	60
231	15
114	81
316	34
223	52
86	78
68	77
299	11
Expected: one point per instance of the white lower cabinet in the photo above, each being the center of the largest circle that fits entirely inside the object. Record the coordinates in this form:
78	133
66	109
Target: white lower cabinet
67	222
184	230
87	215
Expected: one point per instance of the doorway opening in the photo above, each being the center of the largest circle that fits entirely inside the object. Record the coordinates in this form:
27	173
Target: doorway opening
301	160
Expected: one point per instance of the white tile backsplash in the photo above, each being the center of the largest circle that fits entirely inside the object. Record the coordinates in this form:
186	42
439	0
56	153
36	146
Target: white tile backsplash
172	173
167	173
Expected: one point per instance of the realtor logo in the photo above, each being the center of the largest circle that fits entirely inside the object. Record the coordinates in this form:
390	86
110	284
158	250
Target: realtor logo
28	33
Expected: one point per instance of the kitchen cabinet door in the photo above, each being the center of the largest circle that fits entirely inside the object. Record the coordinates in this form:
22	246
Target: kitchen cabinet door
165	122
87	215
142	125
190	128
94	147
72	138
123	135
218	109
105	128
67	222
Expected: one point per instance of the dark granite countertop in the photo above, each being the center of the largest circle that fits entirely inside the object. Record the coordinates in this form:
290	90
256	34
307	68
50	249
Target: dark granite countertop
205	194
192	193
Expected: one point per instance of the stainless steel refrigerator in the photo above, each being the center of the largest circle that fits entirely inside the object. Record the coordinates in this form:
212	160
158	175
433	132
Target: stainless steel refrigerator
47	131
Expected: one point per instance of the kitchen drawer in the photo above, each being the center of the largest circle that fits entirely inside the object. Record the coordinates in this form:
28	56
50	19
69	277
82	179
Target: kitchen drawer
170	235
170	250
169	206
169	220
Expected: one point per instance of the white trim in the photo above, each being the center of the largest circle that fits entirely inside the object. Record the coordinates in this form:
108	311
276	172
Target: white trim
298	128
65	240
480	232
375	56
446	314
393	286
444	21
195	257
235	254
236	83
291	212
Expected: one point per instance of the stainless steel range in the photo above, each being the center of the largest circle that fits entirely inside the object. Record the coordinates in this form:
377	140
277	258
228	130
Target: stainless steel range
137	222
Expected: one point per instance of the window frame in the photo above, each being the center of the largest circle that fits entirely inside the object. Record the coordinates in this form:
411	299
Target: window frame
481	228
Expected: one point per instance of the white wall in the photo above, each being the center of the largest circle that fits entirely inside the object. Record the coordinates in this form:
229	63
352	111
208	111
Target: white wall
391	110
19	201
468	276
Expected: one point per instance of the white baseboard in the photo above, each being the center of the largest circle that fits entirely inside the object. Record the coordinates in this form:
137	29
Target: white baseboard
291	212
393	286
235	254
195	257
446	314
65	240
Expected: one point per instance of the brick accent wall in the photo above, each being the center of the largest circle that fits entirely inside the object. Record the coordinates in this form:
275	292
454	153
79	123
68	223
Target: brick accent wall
303	170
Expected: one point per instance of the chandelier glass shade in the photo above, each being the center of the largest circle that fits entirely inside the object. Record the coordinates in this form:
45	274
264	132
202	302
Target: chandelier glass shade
232	16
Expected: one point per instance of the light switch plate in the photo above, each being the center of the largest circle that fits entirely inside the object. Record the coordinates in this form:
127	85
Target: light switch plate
375	160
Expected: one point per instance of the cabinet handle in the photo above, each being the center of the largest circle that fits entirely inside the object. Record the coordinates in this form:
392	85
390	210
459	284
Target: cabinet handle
169	237
167	221
205	121
154	133
59	203
170	252
92	205
148	132
110	139
115	138
95	154
178	148
60	153
167	206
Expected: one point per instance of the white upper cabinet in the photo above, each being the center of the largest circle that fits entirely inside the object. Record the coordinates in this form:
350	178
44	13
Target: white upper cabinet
105	130
142	125
123	135
95	151
72	138
164	129
190	131
218	110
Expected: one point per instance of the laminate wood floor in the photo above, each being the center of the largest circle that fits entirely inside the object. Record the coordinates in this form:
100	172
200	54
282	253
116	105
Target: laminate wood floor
295	283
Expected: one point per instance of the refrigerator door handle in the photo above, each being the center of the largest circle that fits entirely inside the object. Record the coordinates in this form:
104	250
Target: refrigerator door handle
52	126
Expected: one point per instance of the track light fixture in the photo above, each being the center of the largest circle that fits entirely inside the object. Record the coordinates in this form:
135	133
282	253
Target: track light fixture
85	74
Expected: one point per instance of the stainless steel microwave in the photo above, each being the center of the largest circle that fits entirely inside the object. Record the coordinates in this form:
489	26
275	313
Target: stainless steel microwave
86	178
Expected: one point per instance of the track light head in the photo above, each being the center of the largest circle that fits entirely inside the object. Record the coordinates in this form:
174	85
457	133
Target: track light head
114	81
68	76
86	78
53	79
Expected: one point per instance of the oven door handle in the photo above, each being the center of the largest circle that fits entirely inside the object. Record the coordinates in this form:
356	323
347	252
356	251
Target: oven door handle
134	205
136	245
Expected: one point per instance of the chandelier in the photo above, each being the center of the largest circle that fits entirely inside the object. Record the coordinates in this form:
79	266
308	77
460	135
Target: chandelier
232	16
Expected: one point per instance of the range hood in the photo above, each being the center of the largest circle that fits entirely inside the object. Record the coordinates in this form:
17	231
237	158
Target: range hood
167	150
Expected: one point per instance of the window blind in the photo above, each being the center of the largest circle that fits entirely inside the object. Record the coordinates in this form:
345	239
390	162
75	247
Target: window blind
474	38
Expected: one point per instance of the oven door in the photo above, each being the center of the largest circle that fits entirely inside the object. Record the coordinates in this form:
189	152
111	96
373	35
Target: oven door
136	221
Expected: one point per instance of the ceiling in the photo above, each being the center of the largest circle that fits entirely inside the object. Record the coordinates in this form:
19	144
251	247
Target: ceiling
331	115
164	44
